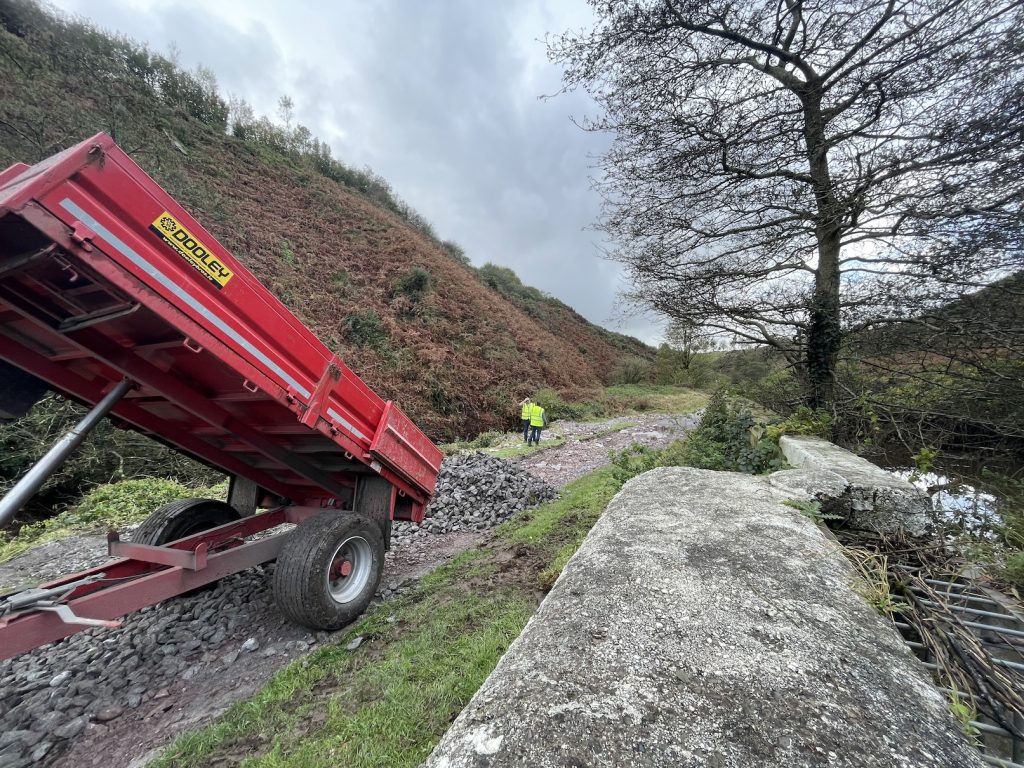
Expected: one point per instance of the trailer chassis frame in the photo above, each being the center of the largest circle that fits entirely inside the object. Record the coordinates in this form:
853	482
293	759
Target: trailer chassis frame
140	575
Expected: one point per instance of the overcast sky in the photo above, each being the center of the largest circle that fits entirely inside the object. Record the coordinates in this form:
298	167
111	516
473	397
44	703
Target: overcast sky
440	98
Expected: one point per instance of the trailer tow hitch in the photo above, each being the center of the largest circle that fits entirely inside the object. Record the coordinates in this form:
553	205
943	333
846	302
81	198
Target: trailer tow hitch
36	599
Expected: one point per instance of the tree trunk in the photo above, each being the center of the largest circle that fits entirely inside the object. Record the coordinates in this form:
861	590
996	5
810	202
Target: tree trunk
824	333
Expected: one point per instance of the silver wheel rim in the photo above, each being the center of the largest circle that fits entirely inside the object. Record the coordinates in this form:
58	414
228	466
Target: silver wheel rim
346	587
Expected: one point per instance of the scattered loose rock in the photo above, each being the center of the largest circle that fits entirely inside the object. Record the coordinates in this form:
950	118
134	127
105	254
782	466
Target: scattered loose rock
475	492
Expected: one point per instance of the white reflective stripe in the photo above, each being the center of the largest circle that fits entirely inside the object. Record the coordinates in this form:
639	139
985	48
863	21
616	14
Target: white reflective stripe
346	423
73	208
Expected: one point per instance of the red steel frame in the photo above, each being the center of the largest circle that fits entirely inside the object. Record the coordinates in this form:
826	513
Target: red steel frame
147	575
92	290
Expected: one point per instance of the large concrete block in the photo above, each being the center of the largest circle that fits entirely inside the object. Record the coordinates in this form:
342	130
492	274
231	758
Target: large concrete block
874	499
705	623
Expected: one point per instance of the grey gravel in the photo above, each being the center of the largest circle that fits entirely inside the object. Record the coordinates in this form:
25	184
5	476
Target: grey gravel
475	492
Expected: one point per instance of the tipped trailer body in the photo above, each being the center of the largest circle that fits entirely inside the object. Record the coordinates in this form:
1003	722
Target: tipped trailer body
114	296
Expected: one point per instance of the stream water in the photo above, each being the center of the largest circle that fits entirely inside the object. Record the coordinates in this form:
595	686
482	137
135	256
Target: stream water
964	493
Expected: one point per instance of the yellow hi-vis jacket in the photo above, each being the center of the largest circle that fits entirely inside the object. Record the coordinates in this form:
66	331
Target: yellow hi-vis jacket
536	416
525	413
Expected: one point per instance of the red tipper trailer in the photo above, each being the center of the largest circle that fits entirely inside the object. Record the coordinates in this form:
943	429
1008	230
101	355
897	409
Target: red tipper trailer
113	295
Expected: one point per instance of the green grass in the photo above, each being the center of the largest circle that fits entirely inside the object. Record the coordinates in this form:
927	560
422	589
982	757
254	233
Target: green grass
507	445
619	400
515	451
609	431
424	656
660	398
573	515
389	700
106	506
483	440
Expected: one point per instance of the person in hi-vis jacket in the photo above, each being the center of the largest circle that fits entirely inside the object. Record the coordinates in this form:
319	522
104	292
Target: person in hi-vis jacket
524	419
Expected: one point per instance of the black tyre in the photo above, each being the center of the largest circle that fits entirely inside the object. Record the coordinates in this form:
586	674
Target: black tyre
183	518
329	569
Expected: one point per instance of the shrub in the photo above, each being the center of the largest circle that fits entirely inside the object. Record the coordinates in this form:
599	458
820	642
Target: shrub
486	439
726	438
114	505
1013	573
287	254
633	370
558	408
107	455
507	283
414	283
802	421
634	461
364	329
455	251
341	283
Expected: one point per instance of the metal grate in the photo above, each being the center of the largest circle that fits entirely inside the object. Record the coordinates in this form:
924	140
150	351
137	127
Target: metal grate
965	632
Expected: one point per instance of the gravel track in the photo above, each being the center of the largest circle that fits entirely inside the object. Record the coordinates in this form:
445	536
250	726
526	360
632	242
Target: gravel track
114	697
582	453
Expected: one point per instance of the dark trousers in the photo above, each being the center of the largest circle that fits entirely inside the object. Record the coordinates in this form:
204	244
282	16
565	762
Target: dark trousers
534	435
526	429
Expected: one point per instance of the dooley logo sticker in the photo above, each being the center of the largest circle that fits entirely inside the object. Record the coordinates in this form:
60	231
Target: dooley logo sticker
188	246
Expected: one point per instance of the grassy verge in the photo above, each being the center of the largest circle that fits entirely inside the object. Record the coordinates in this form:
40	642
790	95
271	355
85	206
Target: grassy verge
508	445
609	431
107	506
621	400
423	655
522	449
662	398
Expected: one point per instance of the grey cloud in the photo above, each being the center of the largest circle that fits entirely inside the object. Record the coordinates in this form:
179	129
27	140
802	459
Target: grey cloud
441	99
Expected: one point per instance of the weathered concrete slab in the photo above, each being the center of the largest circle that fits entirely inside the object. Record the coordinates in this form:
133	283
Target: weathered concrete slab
704	623
874	499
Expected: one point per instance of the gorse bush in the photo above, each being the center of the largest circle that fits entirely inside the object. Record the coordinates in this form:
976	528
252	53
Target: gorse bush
633	370
727	438
107	455
114	505
364	329
414	283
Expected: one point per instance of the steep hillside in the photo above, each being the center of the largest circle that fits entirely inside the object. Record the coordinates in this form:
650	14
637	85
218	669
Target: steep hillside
417	322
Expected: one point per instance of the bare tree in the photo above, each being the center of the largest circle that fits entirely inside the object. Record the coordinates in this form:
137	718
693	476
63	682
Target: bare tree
688	339
286	110
794	173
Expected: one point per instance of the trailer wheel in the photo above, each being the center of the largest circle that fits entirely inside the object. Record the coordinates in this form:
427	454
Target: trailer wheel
329	569
183	518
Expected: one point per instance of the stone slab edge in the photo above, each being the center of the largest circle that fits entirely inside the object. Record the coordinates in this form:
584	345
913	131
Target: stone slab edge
874	498
705	623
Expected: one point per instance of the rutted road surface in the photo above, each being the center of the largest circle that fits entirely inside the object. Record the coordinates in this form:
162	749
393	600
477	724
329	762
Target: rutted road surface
112	698
576	457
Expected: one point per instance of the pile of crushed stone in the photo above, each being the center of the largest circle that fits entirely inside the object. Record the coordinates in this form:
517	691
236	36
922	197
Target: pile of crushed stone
475	492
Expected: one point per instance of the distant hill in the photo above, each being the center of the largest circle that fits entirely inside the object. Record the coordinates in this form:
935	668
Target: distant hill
457	347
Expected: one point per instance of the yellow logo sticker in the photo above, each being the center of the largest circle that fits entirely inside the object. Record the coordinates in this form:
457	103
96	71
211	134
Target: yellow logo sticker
175	234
